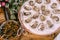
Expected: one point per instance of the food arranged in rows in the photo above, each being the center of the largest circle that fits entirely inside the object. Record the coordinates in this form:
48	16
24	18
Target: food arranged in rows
40	15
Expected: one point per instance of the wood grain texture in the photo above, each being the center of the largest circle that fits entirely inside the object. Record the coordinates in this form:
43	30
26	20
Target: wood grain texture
29	36
2	16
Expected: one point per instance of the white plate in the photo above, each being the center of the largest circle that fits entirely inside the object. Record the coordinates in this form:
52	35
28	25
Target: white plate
47	30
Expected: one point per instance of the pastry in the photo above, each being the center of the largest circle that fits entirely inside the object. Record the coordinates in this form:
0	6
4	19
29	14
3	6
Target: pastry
54	5
31	3
36	8
27	7
38	1
34	24
42	18
49	23
46	12
27	13
56	11
43	7
35	15
56	18
28	20
42	26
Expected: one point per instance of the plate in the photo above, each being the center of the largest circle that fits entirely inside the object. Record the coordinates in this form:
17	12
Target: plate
40	16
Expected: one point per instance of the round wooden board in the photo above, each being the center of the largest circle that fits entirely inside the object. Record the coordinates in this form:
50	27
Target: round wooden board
29	36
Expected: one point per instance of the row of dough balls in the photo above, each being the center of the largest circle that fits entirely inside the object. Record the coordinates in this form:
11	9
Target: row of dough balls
43	8
47	1
42	26
31	3
42	18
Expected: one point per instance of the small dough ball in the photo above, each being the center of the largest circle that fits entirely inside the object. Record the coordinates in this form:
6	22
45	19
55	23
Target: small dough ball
42	18
43	7
56	11
38	1
31	3
42	26
54	5
36	8
28	20
34	24
27	13
35	15
26	7
46	12
56	18
50	24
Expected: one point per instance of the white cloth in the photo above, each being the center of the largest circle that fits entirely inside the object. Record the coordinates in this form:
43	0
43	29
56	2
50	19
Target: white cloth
58	37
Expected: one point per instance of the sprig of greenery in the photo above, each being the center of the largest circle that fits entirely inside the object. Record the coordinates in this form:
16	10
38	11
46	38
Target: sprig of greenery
14	5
